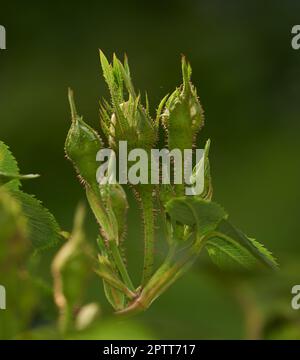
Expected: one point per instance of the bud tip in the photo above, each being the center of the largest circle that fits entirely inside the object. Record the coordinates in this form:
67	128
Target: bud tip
72	104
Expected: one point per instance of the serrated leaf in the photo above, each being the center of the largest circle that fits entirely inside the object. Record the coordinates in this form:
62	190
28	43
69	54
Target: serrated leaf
192	211
107	70
127	80
13	228
117	76
8	165
253	246
264	251
229	255
43	230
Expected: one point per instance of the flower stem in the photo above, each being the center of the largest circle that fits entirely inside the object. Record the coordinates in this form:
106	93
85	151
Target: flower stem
120	265
148	217
177	262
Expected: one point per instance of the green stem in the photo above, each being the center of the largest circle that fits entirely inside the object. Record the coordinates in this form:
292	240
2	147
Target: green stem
120	264
148	217
161	280
65	319
175	265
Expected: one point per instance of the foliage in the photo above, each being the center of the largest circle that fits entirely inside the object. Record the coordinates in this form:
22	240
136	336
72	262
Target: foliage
190	223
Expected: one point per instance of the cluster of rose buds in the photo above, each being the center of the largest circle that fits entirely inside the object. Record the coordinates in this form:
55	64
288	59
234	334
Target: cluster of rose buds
190	223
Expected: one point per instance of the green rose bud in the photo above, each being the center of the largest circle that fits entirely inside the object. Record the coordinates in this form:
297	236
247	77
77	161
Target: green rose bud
108	202
81	147
125	119
183	115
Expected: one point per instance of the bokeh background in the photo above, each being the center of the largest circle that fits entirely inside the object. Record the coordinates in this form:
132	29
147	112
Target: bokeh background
248	79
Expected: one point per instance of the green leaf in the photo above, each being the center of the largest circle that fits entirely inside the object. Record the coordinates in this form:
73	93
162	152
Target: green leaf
9	170
117	76
112	284
191	211
231	234
8	165
203	166
108	73
13	229
229	255
125	74
129	120
272	261
114	287
113	84
43	230
160	109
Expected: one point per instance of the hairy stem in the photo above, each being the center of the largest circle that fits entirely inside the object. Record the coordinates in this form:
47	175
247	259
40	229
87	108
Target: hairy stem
148	217
177	262
120	265
175	265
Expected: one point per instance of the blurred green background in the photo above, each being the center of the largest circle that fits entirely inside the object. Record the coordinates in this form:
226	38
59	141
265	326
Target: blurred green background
248	79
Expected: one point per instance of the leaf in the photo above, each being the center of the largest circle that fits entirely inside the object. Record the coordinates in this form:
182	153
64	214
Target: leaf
160	109
43	230
264	252
229	255
127	80
9	170
107	72
113	86
8	165
118	77
233	235
13	229
111	277
112	284
203	166
191	211
114	288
